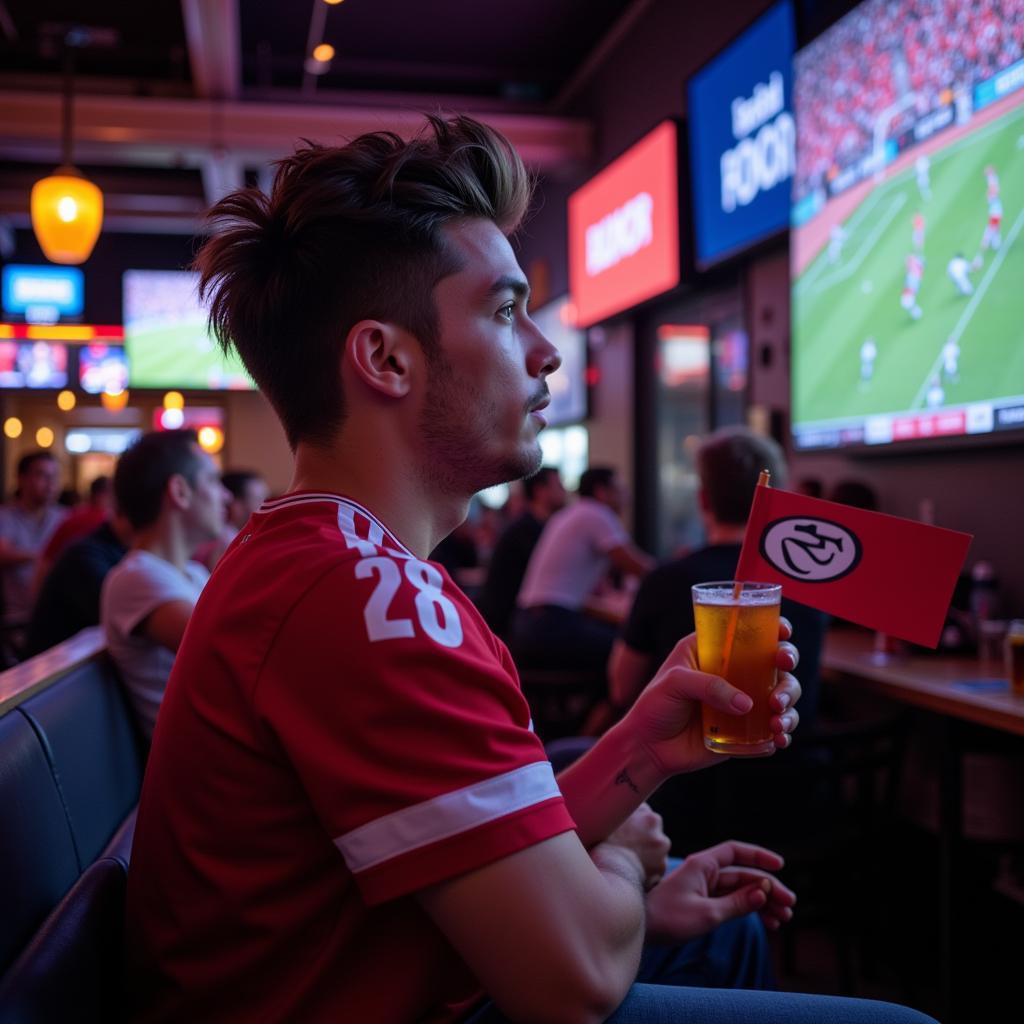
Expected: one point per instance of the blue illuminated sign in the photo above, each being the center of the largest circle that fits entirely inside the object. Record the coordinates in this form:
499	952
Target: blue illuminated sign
43	294
743	139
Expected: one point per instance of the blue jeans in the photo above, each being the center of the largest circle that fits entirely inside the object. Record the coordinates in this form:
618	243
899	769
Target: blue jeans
720	978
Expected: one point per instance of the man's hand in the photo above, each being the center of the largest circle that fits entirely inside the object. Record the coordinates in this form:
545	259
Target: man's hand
714	886
666	717
642	833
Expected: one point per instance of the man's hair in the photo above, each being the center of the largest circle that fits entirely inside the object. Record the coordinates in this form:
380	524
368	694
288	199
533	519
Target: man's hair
142	472
348	233
596	476
855	493
729	462
237	480
539	479
26	462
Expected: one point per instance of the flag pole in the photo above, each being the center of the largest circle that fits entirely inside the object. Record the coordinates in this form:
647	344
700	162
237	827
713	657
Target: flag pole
764	480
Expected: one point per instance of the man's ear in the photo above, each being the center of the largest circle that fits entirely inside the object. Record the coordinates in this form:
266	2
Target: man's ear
382	356
179	491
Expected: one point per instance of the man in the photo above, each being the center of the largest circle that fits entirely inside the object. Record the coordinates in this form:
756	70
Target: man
545	494
958	270
69	598
26	524
80	523
868	353
248	491
574	554
345	815
922	167
912	285
729	462
169	490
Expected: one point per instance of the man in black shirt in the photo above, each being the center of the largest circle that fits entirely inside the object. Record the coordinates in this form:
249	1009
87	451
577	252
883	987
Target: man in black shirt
545	495
728	463
69	599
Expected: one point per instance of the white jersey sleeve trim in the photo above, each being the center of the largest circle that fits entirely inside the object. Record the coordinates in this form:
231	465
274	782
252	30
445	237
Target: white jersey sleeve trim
447	815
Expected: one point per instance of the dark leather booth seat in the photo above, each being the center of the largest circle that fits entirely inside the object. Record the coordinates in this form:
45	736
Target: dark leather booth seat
70	772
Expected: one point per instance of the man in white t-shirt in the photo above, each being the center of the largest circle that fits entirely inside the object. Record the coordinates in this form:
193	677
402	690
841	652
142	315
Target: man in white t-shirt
577	548
170	491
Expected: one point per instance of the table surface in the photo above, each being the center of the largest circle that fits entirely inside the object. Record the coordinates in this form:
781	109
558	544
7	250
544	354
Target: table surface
964	687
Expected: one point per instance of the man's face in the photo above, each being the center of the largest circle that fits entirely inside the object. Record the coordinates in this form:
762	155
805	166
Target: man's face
206	511
612	494
480	418
553	493
40	483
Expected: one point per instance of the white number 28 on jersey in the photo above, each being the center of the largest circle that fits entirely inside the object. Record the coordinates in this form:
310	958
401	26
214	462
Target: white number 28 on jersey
436	614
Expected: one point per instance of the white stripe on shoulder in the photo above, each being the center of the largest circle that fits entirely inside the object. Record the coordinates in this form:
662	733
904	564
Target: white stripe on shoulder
447	815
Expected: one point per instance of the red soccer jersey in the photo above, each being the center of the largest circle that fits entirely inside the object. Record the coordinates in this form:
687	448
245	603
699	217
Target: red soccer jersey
341	729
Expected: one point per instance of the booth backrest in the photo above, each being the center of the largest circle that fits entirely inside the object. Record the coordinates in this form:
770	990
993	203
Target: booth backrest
70	774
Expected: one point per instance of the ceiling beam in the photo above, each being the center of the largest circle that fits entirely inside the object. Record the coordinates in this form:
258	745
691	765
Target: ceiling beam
214	47
173	132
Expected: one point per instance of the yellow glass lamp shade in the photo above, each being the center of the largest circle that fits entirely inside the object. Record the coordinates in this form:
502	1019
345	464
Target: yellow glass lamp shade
67	214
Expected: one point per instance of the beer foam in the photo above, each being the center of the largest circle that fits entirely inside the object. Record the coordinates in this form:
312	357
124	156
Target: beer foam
722	594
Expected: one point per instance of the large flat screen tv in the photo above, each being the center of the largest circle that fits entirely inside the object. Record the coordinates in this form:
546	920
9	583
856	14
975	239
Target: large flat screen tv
908	209
166	338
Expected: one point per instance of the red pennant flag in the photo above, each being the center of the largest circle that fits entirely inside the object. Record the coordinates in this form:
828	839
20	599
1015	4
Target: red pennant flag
883	572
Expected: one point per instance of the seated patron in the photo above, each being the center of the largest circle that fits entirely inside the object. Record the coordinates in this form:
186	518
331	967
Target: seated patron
544	495
69	599
576	550
169	489
248	491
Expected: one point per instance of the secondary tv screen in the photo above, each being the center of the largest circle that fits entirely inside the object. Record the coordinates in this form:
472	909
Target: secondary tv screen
33	364
742	139
102	368
908	204
42	294
166	338
568	384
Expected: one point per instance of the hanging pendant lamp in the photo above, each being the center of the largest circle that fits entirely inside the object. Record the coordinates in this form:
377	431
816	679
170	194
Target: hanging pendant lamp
67	208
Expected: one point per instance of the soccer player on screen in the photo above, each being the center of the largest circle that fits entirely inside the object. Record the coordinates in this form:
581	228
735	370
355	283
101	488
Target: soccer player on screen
922	166
912	284
935	395
951	360
958	270
868	353
992	237
917	232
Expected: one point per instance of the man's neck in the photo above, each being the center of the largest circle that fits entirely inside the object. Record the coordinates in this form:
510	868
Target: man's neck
33	508
166	539
420	517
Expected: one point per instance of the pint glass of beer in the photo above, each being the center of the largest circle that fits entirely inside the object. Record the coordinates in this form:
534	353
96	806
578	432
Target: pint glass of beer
737	638
1015	656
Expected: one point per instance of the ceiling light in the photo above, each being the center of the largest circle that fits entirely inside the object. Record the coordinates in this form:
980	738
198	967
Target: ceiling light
44	437
67	208
13	427
66	401
324	52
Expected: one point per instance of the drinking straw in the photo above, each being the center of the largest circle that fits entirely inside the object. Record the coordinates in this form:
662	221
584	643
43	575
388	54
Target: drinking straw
764	480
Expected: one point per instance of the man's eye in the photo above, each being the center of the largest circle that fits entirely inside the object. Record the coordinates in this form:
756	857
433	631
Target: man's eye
508	312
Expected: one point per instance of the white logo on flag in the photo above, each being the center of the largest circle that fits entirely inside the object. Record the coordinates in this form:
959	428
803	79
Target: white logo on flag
810	549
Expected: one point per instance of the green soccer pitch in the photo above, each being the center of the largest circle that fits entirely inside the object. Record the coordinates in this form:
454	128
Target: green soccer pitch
180	356
838	304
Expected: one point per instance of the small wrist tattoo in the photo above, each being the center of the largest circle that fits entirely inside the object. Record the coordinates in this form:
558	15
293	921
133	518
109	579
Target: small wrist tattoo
623	779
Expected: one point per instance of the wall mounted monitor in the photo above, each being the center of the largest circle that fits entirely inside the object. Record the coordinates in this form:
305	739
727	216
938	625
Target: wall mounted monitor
742	139
42	294
33	364
907	249
568	384
102	367
624	229
166	337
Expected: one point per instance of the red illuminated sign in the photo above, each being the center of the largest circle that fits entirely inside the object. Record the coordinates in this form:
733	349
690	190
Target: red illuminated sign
624	230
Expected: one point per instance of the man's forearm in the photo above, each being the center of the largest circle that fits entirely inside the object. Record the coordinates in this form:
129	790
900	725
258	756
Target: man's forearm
608	783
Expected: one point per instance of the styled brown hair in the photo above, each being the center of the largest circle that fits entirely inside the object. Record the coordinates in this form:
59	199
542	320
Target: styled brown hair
347	233
729	461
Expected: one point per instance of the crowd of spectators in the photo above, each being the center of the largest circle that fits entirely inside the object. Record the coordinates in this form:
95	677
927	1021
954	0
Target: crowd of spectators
885	50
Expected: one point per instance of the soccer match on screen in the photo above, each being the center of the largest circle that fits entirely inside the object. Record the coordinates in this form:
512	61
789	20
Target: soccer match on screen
908	208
